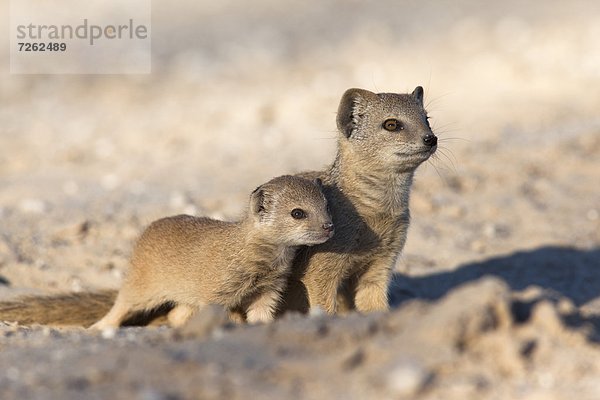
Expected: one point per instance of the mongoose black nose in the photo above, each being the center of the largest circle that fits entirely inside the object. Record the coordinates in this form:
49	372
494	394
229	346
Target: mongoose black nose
328	227
430	140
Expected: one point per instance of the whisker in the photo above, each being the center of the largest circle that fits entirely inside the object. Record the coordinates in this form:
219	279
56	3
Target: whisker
444	127
435	100
443	139
451	159
329	132
446	150
447	166
430	162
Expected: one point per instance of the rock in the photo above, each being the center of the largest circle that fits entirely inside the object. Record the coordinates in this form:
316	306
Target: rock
545	316
468	312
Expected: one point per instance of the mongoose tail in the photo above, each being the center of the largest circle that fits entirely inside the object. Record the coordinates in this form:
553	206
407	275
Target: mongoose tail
72	309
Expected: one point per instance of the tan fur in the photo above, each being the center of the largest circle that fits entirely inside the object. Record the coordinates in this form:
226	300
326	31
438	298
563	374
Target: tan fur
190	261
368	189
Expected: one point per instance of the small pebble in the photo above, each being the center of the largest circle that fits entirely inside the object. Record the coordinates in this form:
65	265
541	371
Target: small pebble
406	378
110	181
316	311
108	333
32	206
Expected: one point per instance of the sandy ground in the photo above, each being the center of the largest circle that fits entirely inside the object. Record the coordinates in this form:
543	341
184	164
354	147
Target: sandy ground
240	94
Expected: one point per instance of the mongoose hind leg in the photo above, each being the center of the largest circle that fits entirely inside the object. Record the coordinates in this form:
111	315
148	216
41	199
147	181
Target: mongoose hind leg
237	316
180	314
115	316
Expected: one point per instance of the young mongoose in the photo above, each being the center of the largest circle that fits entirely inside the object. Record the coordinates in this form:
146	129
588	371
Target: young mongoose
382	139
86	308
190	261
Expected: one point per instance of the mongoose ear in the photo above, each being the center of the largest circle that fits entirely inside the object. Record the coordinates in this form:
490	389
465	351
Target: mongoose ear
352	108
319	183
257	201
418	94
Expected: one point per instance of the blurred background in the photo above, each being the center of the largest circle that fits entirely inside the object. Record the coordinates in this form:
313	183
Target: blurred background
241	92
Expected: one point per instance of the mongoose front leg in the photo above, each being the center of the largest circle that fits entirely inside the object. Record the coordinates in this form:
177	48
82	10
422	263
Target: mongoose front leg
263	308
324	294
372	287
180	314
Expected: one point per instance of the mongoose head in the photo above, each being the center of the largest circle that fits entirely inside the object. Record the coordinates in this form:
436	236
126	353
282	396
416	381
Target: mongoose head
292	211
385	130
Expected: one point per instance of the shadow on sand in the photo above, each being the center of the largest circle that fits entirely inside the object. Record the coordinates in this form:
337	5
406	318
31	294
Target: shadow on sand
565	271
570	272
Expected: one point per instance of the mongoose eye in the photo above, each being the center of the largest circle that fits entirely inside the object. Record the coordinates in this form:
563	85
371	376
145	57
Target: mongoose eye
298	213
392	125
